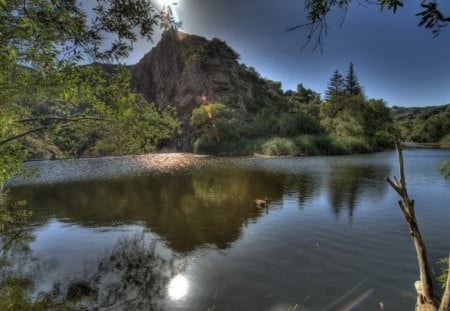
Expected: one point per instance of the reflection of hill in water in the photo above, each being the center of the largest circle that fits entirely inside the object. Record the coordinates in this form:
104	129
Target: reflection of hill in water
187	210
209	205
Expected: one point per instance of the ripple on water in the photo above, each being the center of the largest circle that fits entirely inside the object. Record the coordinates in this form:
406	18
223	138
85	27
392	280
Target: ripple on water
63	171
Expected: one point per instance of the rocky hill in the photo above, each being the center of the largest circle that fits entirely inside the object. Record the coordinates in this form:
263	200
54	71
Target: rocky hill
185	71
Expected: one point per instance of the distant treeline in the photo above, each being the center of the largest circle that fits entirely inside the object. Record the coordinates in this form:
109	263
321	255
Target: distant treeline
425	125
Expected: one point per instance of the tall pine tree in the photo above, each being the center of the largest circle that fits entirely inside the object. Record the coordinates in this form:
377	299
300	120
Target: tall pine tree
336	86
351	83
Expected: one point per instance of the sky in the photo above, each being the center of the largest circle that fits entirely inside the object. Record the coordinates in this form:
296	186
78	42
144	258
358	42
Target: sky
393	58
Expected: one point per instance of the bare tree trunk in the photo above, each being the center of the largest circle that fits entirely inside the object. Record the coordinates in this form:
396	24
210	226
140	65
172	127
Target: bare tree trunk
445	303
424	286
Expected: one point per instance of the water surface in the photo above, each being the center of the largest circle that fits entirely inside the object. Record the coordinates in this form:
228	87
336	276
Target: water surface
189	237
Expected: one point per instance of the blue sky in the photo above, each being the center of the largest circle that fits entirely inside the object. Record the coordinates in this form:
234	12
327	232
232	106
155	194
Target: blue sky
393	58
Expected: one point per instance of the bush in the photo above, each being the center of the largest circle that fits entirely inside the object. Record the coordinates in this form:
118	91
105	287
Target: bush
349	144
445	139
278	147
204	145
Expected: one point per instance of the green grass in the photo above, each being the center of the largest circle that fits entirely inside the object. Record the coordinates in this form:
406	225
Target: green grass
445	139
303	145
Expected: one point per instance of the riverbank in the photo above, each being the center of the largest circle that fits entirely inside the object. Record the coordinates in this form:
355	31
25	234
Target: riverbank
410	144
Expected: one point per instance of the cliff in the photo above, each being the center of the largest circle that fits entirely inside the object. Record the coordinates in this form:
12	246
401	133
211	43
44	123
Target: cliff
184	71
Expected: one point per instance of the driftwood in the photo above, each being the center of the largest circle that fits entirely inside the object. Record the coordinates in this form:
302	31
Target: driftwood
424	286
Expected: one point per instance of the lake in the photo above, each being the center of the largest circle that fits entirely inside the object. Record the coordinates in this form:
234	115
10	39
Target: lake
123	232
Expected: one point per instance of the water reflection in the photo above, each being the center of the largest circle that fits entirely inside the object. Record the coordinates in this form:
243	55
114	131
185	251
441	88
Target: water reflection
135	274
208	206
187	210
346	185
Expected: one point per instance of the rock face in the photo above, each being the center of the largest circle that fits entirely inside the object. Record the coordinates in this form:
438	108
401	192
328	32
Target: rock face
185	71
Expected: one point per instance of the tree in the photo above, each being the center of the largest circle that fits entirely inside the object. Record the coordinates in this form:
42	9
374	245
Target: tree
430	17
43	91
351	84
215	124
51	33
336	86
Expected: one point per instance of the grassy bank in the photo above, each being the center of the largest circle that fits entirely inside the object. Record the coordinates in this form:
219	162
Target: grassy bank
303	145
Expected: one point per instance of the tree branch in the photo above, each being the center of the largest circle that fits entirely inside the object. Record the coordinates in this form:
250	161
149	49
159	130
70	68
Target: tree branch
75	118
7	140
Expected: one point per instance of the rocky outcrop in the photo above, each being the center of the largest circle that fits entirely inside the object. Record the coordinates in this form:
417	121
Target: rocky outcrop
185	71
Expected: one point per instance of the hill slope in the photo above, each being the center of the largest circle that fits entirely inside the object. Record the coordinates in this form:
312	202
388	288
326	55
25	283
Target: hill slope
182	68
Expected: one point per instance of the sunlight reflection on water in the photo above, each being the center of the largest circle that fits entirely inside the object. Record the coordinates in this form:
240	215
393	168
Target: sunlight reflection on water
178	287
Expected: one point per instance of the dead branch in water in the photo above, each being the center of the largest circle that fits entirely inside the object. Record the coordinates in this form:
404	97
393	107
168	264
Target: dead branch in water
424	286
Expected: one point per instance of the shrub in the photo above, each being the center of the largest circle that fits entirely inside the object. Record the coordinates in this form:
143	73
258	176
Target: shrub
445	139
278	147
349	144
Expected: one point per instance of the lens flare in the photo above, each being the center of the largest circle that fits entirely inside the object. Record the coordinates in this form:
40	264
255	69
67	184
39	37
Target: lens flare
208	111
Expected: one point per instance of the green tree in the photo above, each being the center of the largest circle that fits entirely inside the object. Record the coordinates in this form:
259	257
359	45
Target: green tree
336	85
45	95
214	124
351	84
49	33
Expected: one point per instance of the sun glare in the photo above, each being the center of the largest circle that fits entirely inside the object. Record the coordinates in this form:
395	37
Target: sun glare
178	287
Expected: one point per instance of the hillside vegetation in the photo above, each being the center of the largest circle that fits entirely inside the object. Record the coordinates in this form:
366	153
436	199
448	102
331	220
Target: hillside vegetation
192	94
425	125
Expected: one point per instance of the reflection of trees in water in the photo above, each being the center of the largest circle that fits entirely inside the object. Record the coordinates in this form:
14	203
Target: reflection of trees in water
347	183
134	275
206	206
305	185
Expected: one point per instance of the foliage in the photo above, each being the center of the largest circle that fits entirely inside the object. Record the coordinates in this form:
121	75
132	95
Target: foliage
442	278
351	84
445	139
87	108
350	144
49	33
336	85
279	147
295	123
428	124
430	17
312	144
342	124
215	123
